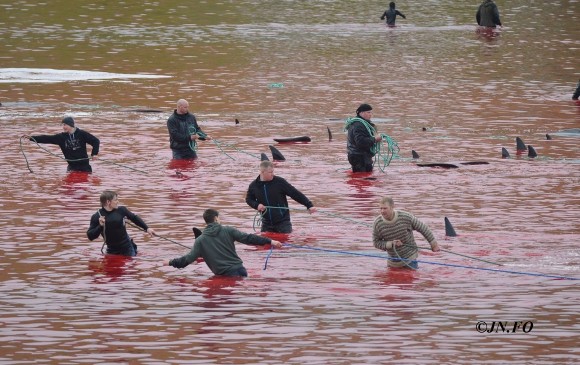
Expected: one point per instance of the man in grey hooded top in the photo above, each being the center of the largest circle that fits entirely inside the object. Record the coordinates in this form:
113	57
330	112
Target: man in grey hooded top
488	15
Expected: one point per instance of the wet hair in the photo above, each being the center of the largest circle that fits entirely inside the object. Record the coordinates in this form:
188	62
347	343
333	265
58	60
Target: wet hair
106	196
392	5
387	200
264	165
210	215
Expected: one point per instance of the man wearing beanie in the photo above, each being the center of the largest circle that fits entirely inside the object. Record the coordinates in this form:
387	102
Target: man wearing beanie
361	137
73	144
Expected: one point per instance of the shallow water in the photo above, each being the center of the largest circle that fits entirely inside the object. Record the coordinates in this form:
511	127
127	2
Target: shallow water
437	86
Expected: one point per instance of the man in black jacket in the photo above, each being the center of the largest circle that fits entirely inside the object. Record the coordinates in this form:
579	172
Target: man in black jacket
216	246
268	193
184	132
361	139
73	144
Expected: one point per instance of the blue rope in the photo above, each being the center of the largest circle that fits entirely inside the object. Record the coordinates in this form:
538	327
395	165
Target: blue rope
421	261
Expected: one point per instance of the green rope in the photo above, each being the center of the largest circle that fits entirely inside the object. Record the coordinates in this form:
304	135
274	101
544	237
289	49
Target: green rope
383	150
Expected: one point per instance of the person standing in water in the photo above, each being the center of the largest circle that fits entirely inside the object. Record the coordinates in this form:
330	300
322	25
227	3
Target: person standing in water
391	14
110	222
577	92
393	232
361	139
184	132
488	15
73	144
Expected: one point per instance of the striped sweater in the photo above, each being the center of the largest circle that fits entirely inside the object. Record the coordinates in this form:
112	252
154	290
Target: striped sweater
400	228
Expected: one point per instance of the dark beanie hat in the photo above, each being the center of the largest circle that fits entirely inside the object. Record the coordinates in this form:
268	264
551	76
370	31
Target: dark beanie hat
69	121
363	108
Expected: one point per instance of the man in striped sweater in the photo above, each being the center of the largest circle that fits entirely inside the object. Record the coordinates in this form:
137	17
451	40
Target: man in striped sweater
393	232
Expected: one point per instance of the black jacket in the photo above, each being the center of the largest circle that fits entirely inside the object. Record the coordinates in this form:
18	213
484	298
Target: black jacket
73	146
358	140
181	127
273	193
487	14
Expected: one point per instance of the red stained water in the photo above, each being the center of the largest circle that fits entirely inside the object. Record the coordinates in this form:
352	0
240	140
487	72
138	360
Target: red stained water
327	297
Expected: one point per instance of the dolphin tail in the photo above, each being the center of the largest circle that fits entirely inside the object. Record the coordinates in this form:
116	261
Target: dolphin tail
520	145
504	153
276	155
449	231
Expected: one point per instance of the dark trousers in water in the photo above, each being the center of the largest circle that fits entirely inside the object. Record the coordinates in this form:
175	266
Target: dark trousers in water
186	154
128	250
284	227
80	168
238	271
360	163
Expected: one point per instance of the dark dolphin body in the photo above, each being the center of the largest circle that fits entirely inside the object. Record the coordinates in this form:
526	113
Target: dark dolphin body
449	231
520	145
532	152
276	155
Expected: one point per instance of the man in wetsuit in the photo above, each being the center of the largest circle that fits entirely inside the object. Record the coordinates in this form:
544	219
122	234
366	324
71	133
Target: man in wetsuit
391	15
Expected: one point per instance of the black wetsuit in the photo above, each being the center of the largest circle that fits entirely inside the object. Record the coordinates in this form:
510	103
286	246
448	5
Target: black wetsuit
358	145
115	232
181	127
487	14
391	16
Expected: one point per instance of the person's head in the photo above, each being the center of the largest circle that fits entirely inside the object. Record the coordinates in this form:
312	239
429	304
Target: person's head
109	199
68	124
182	106
364	111
387	206
211	216
392	5
266	170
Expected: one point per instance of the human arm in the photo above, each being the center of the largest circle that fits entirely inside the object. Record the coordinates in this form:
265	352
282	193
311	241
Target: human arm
424	229
401	14
496	19
252	199
248	238
138	221
187	259
95	227
362	137
49	139
93	141
296	195
478	16
176	133
384	15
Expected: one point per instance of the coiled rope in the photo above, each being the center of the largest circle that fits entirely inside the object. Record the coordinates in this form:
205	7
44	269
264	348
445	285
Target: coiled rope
420	261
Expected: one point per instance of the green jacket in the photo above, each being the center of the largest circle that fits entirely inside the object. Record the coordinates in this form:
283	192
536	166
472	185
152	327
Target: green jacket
216	247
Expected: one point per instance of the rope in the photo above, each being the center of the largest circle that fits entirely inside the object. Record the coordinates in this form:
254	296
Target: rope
384	151
258	222
69	160
156	235
430	262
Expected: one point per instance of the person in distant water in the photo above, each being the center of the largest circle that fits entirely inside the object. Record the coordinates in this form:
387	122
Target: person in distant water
391	15
488	15
361	139
216	246
73	144
268	193
577	92
109	222
184	132
393	232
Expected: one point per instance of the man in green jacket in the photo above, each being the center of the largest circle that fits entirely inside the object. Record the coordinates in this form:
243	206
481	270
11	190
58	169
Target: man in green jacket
216	247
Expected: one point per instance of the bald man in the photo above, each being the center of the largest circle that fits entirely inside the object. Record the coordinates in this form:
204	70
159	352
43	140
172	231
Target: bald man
184	132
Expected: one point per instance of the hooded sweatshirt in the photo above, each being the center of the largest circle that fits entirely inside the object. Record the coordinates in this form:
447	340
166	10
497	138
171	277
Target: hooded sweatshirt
488	14
73	146
216	247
